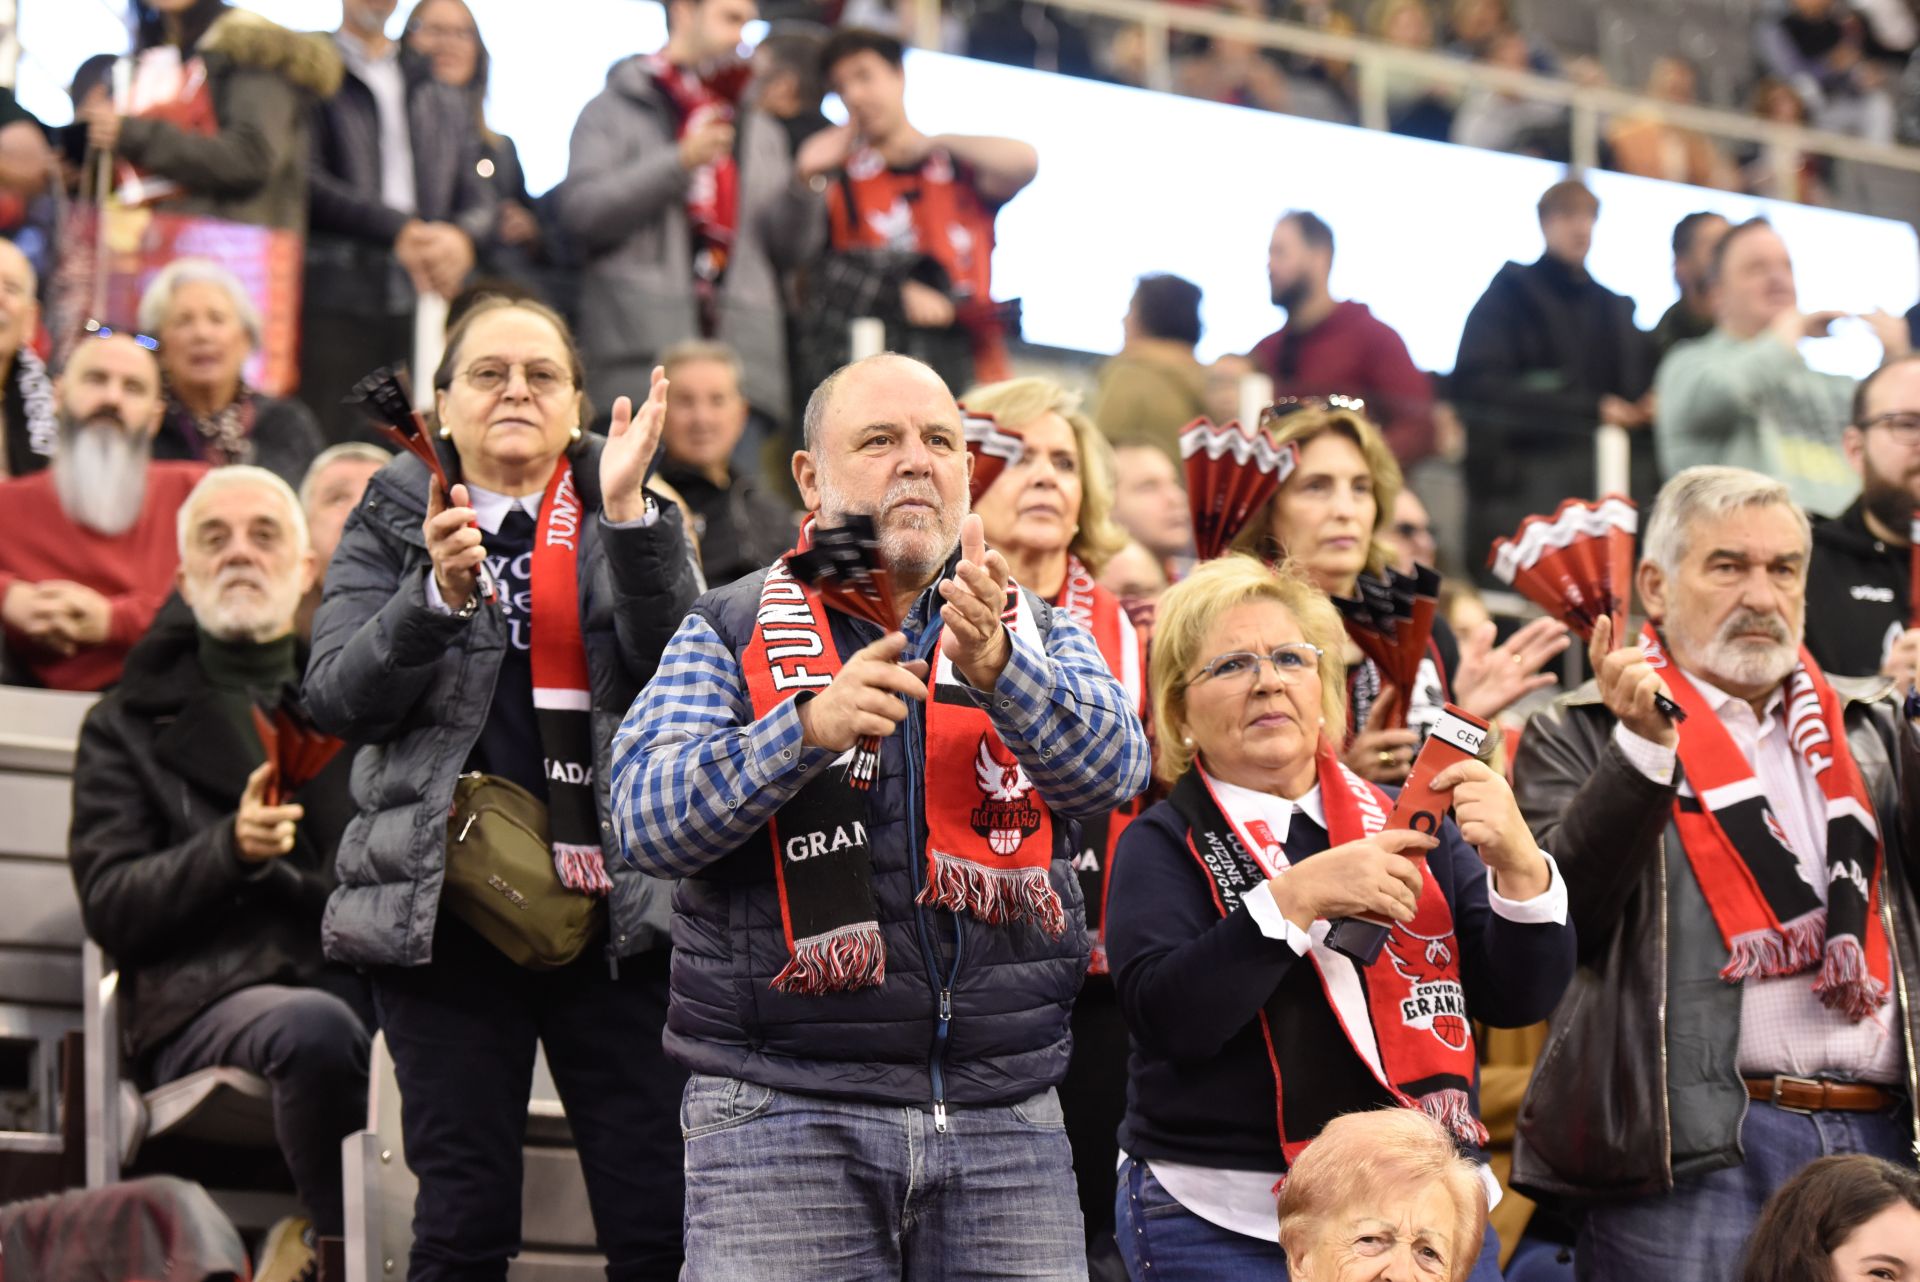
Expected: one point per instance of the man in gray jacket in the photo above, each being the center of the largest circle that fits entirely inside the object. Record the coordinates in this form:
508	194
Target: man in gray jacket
685	208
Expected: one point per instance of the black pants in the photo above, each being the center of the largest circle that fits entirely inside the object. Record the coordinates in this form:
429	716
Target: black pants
312	1047
463	1030
1094	1098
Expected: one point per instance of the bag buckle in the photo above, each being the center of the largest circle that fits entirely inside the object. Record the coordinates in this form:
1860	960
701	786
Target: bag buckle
467	826
1787	1079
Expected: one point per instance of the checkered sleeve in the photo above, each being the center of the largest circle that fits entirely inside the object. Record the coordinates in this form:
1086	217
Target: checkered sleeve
1062	713
694	774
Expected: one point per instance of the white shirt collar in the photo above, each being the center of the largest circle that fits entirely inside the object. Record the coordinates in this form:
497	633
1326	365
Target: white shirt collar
1278	811
1722	703
491	509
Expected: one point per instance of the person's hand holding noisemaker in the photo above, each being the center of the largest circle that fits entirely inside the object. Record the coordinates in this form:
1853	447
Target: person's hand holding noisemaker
1457	740
1633	690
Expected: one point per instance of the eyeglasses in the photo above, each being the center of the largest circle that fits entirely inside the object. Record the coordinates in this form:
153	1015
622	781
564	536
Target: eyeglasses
97	330
490	378
1286	406
1293	661
1903	424
1409	531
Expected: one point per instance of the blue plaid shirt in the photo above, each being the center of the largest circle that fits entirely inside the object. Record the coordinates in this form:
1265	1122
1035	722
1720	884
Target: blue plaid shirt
695	774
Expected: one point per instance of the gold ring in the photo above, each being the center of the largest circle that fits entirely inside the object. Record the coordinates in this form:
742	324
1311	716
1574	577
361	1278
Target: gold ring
1388	756
1517	660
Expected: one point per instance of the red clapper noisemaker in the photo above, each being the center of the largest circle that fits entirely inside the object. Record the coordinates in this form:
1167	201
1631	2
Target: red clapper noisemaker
1390	618
1231	471
992	447
845	565
1457	736
297	750
384	397
1577	565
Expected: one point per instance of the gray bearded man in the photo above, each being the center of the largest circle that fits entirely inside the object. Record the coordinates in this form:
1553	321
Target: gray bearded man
1746	923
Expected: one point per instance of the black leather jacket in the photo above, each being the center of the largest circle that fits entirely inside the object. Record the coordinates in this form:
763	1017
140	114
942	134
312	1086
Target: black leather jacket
1639	1083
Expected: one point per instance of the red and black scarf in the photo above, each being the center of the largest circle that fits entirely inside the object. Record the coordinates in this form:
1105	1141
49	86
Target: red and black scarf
713	190
1771	920
989	839
1101	614
1405	1016
562	703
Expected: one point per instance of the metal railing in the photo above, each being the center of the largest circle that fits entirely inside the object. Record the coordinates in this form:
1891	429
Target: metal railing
1377	65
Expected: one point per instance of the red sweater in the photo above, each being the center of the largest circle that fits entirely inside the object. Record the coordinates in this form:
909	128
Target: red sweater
1351	353
134	570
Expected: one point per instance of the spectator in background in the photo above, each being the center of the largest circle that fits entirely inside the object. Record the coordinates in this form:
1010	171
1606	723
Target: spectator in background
208	327
445	34
909	220
261	83
1476	27
1415	110
1546	353
1134	575
1154	386
199	874
1499	121
329	493
1339	348
787	81
1409	535
739	527
1845	1216
1743	395
1738	911
1821	49
1691	315
399	205
87	550
1150	504
1783	173
1644	143
683	204
1860	587
29	409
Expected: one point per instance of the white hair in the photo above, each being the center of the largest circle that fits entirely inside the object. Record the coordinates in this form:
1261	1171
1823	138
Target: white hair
1710	492
238	477
359	451
157	302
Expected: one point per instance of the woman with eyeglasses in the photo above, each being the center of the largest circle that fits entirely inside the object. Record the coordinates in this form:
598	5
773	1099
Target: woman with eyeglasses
1330	519
1249	1035
438	672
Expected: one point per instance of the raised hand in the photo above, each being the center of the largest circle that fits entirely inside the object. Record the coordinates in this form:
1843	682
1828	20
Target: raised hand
1628	684
1378	753
453	543
631	442
1372	877
865	697
973	637
824	152
1490	680
262	832
1489	819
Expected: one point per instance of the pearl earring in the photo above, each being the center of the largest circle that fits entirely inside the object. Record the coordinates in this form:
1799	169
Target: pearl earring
446	432
1186	741
576	434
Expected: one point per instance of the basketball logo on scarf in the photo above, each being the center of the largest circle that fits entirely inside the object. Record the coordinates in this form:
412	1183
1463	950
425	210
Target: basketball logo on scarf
1437	1003
1007	815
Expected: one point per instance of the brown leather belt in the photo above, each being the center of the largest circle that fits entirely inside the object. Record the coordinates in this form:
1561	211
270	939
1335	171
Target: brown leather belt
1816	1095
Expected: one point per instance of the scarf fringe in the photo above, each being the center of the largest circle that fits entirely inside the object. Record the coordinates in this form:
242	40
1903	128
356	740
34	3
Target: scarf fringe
1795	947
850	957
1845	984
582	868
1453	1109
995	896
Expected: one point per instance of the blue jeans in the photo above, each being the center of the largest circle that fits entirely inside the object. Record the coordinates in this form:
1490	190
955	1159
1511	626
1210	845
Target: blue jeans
1698	1233
1162	1241
794	1188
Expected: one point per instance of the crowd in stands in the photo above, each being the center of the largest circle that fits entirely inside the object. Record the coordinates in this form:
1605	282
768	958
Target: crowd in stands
992	916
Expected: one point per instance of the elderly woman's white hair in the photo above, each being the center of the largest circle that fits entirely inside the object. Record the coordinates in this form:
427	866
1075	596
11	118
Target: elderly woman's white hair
1360	1158
157	301
1711	492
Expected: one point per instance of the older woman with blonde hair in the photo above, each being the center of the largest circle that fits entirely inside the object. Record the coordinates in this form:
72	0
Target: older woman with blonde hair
1384	1194
1330	519
206	327
1249	1035
1050	513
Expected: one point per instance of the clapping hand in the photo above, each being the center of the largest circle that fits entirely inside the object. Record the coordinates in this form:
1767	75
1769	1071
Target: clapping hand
631	442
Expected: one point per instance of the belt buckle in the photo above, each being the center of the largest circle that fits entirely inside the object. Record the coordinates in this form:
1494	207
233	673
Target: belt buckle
1781	1079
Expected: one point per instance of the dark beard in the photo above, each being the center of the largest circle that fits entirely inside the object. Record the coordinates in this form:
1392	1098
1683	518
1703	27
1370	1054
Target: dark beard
1288	296
1892	505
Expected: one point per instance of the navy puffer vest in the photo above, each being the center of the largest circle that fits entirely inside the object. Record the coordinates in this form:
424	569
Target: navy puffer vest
1008	989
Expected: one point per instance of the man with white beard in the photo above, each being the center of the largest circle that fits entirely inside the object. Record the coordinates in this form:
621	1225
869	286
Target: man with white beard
87	551
202	872
1747	927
